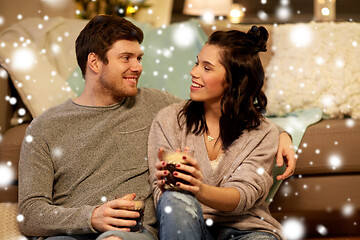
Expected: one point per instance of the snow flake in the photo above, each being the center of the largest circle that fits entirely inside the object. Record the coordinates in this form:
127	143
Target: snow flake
348	210
20	218
322	230
6	175
12	101
57	152
294	229
260	171
29	138
168	209
23	59
350	123
262	15
335	161
209	222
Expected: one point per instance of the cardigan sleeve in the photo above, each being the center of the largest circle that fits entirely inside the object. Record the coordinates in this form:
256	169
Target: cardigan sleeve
253	176
162	135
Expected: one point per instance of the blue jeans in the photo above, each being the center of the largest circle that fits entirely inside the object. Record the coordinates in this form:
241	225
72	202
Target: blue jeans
180	217
74	237
144	235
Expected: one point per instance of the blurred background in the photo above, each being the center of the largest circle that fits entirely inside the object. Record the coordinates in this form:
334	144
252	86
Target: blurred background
160	12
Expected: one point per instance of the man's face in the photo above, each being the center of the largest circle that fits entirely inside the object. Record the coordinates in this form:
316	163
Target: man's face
119	78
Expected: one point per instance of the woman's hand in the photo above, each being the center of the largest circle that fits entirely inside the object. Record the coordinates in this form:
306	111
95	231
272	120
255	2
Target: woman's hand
160	172
220	198
192	175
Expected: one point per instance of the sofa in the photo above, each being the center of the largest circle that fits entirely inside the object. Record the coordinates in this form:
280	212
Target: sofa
322	198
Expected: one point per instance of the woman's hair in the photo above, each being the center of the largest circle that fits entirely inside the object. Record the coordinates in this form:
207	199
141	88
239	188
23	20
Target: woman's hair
100	34
243	102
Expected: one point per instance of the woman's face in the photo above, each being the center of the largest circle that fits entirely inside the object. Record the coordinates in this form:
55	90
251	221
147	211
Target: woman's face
208	76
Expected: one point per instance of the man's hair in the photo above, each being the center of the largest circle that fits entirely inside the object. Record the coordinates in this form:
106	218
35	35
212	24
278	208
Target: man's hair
100	33
243	101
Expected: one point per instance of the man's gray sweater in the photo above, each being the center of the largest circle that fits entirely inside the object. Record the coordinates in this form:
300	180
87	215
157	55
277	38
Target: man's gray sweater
74	158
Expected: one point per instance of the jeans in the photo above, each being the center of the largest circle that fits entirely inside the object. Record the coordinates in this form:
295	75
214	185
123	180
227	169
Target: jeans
74	237
180	217
144	235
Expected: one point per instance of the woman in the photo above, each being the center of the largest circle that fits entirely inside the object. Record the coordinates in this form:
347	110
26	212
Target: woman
230	173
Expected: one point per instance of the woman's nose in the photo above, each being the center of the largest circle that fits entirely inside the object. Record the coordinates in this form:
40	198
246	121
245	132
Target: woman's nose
193	72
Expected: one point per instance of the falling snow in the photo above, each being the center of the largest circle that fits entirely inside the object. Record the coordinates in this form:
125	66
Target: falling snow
29	138
6	175
294	229
302	36
348	210
322	230
168	209
260	171
20	218
209	222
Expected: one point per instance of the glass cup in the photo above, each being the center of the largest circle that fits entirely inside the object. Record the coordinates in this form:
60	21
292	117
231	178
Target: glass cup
140	208
172	158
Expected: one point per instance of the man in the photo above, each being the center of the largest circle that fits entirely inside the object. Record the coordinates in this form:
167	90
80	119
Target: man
83	162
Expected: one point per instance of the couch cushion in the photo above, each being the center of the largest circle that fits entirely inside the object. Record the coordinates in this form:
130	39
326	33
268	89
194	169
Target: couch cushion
330	146
38	60
332	201
314	66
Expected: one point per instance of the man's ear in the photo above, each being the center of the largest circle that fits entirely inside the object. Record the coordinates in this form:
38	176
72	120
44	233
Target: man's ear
94	62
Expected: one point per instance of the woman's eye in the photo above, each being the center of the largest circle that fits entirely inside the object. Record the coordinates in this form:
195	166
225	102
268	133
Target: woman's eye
206	68
196	63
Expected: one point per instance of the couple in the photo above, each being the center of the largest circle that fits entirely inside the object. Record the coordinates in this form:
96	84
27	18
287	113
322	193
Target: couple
88	159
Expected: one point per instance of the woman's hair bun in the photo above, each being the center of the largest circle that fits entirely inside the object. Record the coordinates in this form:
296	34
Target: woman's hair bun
259	35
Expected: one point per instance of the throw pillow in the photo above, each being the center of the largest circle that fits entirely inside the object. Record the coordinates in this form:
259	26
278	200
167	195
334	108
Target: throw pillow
315	65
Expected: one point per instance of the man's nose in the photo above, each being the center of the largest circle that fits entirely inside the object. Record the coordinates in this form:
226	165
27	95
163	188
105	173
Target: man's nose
136	67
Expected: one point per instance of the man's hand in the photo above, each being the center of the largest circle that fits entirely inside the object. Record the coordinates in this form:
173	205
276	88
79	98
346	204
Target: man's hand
286	153
112	216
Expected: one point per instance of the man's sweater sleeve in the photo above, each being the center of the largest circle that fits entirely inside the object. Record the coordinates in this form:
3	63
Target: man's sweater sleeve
36	178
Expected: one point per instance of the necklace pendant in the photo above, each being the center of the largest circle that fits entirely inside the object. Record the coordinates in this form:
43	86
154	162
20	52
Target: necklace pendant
210	138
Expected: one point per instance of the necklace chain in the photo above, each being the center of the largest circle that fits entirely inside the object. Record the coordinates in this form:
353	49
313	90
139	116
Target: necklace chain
210	138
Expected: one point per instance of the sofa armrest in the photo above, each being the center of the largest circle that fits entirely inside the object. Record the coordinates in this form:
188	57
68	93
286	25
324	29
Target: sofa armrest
9	226
9	154
6	110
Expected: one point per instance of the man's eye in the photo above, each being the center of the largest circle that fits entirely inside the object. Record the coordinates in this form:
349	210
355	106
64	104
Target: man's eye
139	59
126	58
